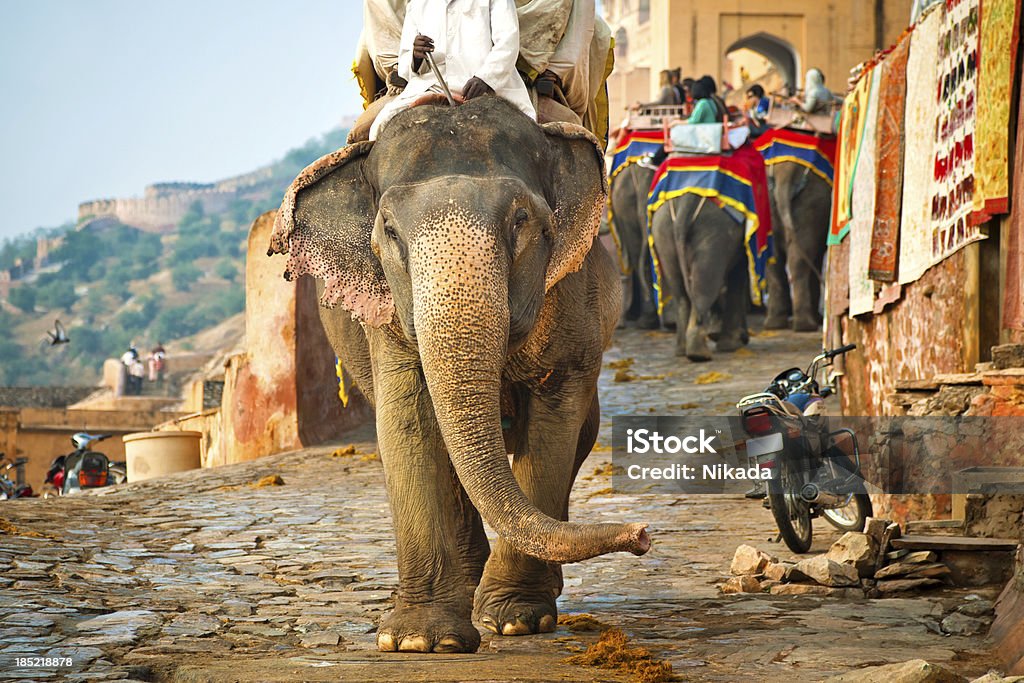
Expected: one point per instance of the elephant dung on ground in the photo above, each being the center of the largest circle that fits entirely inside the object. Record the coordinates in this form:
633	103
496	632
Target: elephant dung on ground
629	217
703	263
461	292
801	206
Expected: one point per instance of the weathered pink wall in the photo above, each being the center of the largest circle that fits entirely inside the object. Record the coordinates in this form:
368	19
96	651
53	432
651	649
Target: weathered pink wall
282	393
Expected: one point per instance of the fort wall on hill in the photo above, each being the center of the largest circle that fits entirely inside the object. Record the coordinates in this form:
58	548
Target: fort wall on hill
164	204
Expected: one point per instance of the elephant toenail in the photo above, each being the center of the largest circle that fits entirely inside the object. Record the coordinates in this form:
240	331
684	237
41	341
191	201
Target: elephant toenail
546	624
449	644
515	628
414	644
386	642
490	624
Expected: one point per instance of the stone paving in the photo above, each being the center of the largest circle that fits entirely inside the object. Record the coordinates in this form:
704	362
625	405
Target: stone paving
205	577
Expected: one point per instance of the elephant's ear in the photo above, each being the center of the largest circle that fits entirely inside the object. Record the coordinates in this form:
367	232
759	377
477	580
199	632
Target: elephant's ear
324	226
578	193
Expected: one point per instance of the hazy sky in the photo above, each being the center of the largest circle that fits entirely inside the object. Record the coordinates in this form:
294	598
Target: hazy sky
100	97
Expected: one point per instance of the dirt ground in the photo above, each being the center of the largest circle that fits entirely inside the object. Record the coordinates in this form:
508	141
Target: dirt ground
204	577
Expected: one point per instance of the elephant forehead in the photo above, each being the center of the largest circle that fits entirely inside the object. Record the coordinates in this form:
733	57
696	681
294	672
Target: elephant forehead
452	236
489	198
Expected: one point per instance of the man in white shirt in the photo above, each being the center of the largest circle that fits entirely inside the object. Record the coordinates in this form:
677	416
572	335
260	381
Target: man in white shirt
475	45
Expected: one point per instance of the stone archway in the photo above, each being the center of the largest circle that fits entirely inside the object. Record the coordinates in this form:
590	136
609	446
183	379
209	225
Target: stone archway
779	52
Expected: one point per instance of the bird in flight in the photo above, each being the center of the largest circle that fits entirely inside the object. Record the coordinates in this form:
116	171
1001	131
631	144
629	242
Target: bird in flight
58	335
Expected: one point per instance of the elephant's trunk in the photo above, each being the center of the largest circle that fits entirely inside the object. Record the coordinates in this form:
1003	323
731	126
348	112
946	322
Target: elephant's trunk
461	315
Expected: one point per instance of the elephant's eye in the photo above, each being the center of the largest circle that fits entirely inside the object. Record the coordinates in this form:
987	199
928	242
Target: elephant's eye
520	218
390	233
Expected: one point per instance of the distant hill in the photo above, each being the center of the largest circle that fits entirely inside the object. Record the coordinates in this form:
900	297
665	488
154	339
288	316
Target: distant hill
112	284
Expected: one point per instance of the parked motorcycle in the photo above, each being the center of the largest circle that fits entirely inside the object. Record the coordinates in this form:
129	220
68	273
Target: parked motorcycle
9	490
814	471
84	468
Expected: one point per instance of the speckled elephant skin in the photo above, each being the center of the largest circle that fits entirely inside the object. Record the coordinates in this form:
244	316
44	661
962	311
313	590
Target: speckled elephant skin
461	291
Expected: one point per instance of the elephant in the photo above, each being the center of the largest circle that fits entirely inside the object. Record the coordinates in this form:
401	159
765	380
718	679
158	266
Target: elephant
704	274
459	288
801	205
629	215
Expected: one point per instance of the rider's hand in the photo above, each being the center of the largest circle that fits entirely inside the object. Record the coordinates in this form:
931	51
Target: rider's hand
475	87
421	46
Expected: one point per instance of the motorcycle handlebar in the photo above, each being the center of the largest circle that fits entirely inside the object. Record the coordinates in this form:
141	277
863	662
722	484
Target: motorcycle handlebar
841	350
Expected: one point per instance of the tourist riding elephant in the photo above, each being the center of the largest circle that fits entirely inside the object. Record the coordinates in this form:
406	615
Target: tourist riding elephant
460	290
801	205
629	216
703	262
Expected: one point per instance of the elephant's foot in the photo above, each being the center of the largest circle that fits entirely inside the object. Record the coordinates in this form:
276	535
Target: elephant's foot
730	343
427	628
805	324
697	346
776	321
516	610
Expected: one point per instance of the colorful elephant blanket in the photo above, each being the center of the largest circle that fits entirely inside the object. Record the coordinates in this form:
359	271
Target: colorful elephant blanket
815	153
634	146
736	182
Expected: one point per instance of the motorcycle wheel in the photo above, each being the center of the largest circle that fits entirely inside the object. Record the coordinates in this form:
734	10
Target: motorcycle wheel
791	512
853	516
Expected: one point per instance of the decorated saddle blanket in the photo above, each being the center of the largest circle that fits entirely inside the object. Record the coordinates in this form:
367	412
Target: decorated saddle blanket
810	151
736	182
633	147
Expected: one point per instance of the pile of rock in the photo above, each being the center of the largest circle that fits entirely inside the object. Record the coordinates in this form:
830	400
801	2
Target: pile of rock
858	565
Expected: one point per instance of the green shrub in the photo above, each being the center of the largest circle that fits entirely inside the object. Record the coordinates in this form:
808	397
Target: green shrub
184	275
226	269
24	297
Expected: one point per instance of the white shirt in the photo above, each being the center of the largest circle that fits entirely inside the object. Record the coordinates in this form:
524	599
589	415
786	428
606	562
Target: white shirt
471	38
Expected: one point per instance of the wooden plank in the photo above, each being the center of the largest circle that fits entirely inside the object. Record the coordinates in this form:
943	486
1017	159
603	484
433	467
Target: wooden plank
937	527
1006	629
922	542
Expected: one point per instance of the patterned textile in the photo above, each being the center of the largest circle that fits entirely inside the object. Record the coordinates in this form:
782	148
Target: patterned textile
817	154
892	94
738	183
999	32
851	137
1013	303
636	145
919	152
952	198
862	289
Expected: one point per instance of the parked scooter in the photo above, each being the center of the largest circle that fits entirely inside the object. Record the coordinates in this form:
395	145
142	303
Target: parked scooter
814	471
9	490
84	468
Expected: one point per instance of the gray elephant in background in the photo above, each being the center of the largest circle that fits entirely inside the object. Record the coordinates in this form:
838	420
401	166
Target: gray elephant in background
629	216
801	206
462	293
703	263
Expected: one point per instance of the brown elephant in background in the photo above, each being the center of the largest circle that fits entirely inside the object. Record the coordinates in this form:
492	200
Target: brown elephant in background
704	275
462	293
629	217
801	207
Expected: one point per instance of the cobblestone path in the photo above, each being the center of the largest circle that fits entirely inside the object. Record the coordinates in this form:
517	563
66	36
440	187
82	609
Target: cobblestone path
204	577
